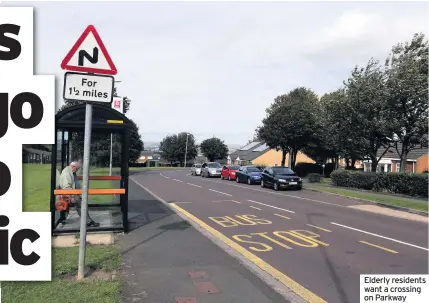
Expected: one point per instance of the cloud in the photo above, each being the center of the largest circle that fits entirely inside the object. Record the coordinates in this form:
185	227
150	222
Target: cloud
211	68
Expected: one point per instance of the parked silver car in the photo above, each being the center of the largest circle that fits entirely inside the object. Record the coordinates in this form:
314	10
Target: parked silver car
196	170
211	169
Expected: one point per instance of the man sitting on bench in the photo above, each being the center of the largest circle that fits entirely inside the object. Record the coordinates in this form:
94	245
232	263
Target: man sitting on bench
69	180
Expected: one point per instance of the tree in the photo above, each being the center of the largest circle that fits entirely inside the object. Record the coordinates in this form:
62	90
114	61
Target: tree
338	134
407	95
191	151
167	148
270	133
173	148
367	111
136	143
214	149
291	122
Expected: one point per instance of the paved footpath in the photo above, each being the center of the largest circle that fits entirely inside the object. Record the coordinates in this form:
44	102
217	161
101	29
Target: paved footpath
312	243
166	260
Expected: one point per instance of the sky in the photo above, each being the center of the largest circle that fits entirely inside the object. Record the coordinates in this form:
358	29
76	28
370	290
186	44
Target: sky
212	69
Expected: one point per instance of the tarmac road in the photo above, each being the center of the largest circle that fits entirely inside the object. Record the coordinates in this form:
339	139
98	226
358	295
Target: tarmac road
313	243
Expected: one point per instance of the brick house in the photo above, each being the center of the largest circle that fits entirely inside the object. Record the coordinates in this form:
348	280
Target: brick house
35	156
417	161
258	153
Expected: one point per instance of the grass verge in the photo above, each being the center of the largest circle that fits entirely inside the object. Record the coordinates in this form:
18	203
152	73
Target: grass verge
36	179
64	264
63	288
385	199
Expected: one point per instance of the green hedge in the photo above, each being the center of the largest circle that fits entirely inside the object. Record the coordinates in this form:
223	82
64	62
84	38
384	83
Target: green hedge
399	183
314	178
304	169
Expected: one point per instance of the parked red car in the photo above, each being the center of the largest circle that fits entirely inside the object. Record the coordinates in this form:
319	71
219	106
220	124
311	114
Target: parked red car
228	172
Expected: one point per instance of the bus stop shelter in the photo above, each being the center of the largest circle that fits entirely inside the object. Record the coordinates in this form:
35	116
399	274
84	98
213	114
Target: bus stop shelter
69	127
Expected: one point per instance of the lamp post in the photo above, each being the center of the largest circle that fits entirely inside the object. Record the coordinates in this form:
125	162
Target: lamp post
186	148
111	144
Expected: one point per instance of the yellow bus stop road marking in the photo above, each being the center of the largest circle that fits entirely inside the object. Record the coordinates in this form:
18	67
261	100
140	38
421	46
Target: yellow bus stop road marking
284	279
317	227
380	247
281	216
255	207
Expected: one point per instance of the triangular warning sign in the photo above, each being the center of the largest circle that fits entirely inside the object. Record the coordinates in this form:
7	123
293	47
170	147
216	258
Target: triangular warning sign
89	55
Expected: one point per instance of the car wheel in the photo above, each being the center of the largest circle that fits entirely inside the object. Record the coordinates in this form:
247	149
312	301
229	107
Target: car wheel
262	184
249	181
276	186
237	180
300	188
229	178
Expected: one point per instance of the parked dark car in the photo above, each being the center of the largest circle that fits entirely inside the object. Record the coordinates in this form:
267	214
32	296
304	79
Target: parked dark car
279	177
249	174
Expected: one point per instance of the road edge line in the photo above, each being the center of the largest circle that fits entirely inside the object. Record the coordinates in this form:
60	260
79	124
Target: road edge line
286	292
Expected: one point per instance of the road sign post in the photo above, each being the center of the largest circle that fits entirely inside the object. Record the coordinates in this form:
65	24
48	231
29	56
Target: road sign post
118	104
111	154
85	185
186	148
91	80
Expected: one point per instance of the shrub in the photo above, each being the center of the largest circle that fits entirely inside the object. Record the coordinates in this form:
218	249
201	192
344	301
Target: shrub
352	168
329	168
304	169
137	164
348	178
314	178
399	183
403	183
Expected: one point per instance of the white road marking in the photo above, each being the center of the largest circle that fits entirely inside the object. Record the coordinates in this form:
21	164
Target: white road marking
164	176
383	237
318	227
177	180
255	207
220	192
226	201
272	206
281	216
277	193
193	185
